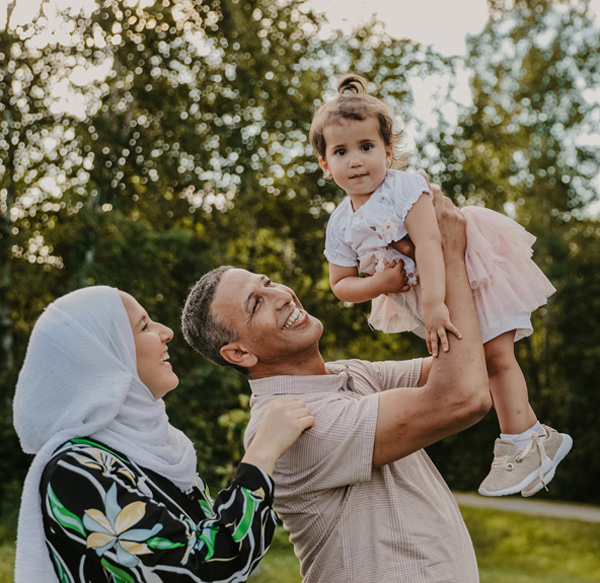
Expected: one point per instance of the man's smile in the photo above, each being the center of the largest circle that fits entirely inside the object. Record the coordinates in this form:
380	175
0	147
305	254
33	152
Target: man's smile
292	318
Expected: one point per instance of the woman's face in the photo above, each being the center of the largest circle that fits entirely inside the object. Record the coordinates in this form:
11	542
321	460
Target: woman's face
152	355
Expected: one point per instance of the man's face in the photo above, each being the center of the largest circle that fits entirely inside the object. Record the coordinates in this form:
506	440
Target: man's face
273	325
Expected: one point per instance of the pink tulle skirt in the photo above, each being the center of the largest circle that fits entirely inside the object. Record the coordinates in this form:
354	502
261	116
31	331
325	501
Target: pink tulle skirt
507	285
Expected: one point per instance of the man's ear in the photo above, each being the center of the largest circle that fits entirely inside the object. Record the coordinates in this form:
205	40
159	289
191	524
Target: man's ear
236	354
325	167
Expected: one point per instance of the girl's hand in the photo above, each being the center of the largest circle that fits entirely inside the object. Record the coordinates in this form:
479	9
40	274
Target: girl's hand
285	419
437	321
392	280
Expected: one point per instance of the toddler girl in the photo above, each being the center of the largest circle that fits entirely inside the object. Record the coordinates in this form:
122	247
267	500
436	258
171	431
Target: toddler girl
355	137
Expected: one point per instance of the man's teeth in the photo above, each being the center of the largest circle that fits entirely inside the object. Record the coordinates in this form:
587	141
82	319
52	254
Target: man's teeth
293	317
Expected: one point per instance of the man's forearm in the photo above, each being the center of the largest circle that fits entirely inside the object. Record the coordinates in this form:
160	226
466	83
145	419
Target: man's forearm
460	375
456	393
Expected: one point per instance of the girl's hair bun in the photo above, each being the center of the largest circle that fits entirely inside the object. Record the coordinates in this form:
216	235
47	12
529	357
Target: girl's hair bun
352	84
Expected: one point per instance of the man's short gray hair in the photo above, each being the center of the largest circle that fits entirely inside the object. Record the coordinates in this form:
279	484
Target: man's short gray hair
202	329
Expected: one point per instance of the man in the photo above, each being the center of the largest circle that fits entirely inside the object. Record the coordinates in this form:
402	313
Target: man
359	496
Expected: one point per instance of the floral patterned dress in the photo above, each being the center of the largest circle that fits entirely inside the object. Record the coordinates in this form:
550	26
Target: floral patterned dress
107	519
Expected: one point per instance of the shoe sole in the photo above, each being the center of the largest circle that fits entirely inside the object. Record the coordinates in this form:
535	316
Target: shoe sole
513	489
563	450
547	479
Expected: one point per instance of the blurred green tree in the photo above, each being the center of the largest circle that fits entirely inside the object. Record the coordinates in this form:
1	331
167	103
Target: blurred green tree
145	143
177	142
526	147
36	160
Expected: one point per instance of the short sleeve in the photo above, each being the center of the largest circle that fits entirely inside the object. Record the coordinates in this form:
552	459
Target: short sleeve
337	250
338	449
393	374
407	189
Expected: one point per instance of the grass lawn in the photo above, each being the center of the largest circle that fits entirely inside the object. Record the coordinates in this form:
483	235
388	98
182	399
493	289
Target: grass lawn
510	547
518	548
7	562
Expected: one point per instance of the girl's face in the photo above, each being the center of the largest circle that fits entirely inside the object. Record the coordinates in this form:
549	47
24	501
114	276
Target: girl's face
151	351
356	156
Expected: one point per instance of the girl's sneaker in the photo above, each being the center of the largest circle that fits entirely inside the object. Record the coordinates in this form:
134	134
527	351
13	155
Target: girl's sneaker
557	446
525	470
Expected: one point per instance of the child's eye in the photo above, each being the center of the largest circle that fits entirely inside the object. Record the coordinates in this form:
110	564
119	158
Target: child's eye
340	152
367	147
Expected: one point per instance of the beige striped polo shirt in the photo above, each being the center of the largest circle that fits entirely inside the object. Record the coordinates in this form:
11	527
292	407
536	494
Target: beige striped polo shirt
350	522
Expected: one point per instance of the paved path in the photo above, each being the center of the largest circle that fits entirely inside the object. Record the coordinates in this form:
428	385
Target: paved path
529	506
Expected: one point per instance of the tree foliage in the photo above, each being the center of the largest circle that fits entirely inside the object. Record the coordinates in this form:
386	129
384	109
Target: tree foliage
526	146
146	142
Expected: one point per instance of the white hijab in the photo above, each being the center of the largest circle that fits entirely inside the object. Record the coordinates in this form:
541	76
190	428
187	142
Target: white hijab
79	379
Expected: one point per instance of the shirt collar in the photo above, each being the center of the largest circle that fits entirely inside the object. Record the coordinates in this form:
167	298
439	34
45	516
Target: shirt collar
338	378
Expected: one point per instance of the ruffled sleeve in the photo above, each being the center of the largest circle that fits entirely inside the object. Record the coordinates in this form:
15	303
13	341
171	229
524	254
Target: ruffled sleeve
337	249
406	190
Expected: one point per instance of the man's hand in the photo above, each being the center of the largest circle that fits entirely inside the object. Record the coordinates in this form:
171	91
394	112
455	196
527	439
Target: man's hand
456	393
451	221
404	246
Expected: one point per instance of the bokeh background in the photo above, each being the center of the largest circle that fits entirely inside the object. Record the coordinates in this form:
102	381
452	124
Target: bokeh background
144	142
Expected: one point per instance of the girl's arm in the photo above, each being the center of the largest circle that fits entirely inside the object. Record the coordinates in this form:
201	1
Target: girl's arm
348	286
422	227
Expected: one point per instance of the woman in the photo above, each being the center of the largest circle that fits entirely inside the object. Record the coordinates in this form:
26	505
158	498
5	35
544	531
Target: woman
112	493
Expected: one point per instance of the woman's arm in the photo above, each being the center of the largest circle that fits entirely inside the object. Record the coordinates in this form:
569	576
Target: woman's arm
104	514
348	286
422	227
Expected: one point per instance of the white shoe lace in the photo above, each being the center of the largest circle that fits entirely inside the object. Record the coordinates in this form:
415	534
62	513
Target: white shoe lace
538	439
504	461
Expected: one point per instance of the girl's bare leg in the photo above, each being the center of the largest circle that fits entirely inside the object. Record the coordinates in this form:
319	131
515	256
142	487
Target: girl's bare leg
518	465
507	385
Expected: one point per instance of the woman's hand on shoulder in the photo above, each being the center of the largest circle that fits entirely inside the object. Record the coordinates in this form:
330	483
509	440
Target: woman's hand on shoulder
285	419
